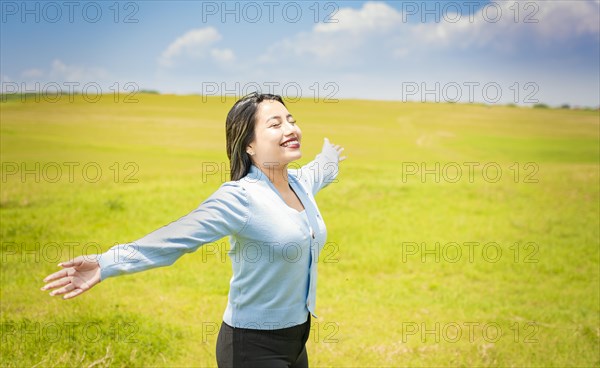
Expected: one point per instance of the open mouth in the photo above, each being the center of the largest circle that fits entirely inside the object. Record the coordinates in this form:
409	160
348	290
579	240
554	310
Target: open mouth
292	143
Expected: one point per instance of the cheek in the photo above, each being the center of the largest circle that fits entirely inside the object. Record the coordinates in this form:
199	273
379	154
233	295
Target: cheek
268	139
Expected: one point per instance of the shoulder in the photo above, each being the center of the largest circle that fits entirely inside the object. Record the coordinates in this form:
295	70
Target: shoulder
231	192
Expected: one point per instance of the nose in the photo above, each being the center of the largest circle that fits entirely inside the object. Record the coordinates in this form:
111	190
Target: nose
289	128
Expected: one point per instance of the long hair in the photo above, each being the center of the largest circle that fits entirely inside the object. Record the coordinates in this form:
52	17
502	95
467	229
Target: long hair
239	131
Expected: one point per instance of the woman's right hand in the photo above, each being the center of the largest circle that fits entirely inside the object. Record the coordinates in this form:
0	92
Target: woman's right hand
77	276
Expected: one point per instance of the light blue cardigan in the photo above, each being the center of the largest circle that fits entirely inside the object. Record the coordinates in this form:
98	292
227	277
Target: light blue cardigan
274	248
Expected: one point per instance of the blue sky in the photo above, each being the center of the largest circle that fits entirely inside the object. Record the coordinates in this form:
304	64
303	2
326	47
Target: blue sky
500	52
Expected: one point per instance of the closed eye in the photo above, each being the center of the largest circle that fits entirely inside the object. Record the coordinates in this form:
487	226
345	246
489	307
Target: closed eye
276	125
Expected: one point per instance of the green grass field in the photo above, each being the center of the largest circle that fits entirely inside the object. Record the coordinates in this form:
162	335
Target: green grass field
460	235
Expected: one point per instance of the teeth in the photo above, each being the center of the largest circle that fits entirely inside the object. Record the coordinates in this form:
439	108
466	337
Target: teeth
289	143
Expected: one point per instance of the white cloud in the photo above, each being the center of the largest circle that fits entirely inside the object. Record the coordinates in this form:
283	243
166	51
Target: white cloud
65	76
568	19
511	25
195	45
337	43
377	30
6	84
32	73
390	47
400	53
61	72
222	55
374	16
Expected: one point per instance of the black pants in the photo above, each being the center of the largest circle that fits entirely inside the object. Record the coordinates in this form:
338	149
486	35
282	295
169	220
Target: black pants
243	347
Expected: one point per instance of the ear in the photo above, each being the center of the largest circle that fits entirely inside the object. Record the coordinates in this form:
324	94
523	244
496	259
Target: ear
250	150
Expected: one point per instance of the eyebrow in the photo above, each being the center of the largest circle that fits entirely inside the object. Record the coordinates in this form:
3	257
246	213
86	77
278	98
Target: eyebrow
277	117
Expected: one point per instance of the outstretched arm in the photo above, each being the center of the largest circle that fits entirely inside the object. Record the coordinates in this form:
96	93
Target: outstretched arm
323	170
223	213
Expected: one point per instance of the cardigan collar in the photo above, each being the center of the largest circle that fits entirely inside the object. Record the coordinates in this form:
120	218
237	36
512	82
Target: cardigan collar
256	174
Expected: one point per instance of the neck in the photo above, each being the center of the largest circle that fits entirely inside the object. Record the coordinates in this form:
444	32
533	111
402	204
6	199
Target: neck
276	173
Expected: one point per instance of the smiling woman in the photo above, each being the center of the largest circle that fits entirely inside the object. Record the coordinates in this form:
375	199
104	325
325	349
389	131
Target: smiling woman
270	140
275	229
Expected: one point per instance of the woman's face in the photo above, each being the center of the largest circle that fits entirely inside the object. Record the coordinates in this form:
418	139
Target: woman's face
277	137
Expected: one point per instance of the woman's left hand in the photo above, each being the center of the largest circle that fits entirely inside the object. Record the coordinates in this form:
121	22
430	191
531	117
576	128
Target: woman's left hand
334	148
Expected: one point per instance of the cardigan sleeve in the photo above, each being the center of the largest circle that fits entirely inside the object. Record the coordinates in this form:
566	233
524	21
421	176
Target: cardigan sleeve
321	171
225	212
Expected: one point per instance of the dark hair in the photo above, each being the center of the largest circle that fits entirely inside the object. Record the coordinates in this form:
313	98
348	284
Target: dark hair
239	131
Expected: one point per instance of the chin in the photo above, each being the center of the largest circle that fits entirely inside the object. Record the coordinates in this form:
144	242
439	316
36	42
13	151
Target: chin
292	157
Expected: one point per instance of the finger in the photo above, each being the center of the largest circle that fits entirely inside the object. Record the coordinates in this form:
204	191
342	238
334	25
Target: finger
342	158
56	275
73	294
62	290
72	262
62	282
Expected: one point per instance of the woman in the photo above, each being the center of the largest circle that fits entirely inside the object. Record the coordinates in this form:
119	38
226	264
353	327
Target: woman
276	234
